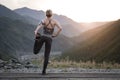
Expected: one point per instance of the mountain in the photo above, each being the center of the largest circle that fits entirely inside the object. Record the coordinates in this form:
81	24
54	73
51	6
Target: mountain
91	25
101	44
17	36
14	37
6	12
88	27
38	15
70	27
62	43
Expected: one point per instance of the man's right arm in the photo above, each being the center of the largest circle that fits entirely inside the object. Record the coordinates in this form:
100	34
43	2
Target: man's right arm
38	27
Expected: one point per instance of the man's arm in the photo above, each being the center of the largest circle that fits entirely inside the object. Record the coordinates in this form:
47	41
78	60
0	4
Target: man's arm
59	29
38	27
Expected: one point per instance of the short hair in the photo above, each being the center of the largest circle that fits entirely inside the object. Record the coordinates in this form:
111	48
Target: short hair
49	13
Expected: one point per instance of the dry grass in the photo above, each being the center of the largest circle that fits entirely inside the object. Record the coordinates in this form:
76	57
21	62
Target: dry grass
66	63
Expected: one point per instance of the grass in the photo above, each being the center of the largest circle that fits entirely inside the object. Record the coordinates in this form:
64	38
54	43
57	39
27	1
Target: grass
66	63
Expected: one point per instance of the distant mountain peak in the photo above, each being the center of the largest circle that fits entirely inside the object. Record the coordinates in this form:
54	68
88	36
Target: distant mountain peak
6	12
28	9
24	8
2	6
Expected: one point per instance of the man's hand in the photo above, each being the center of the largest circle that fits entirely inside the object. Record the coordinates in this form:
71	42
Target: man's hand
54	35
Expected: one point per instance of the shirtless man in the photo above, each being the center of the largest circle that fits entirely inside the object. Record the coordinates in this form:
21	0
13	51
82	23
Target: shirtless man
48	25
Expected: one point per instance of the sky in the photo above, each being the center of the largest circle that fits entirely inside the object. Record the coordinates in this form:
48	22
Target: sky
78	10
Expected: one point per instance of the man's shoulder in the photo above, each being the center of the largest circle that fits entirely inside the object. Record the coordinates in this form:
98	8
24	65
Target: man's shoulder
54	20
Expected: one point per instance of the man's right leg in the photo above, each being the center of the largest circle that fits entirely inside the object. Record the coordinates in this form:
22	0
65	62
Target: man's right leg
38	45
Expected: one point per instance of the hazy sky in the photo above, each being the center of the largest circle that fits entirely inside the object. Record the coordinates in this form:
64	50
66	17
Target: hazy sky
78	10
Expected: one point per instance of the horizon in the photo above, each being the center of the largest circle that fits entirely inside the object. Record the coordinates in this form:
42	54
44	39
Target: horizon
89	11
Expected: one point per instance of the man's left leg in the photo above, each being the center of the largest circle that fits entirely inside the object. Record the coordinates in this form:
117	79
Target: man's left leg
48	43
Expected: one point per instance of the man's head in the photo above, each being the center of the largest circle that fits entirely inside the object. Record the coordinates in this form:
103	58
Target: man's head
49	13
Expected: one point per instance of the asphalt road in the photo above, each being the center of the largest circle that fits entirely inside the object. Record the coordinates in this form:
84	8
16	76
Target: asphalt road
60	76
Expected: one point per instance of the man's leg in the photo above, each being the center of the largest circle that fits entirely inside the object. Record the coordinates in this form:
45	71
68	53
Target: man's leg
48	43
38	45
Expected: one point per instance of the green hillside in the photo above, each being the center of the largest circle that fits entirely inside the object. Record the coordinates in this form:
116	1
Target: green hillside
13	37
101	44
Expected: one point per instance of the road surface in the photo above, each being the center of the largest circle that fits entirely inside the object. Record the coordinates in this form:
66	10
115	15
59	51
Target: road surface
60	76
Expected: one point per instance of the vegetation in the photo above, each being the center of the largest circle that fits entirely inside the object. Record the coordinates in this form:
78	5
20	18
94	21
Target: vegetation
66	63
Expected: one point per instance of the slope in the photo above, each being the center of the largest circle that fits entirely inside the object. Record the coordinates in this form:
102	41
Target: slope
101	44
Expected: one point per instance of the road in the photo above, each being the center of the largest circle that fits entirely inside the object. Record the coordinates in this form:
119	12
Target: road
60	76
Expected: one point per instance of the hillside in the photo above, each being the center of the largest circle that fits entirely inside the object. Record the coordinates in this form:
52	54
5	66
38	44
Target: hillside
101	44
13	37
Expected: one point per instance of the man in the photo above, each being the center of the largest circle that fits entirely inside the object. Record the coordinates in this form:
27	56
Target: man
48	25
